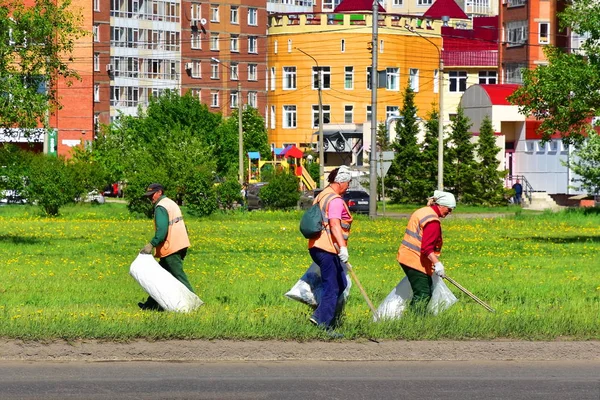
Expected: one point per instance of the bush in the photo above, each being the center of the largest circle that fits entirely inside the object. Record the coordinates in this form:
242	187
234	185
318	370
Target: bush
200	195
51	183
281	192
228	193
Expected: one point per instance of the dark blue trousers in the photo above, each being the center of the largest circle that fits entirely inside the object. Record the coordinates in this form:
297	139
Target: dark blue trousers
334	284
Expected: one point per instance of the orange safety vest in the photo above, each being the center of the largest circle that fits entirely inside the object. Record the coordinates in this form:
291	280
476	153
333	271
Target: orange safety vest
177	237
325	240
409	252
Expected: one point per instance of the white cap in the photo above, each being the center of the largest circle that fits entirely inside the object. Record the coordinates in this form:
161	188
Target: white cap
445	199
344	175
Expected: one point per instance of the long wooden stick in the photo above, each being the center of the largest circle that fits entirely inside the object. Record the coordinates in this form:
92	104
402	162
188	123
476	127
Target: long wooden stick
471	295
362	291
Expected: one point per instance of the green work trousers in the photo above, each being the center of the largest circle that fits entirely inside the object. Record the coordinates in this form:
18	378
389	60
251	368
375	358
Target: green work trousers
173	264
421	285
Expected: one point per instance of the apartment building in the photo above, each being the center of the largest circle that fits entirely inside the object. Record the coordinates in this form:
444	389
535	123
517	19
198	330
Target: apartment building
527	26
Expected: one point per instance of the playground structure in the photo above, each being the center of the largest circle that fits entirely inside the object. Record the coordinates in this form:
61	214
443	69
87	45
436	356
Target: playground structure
290	158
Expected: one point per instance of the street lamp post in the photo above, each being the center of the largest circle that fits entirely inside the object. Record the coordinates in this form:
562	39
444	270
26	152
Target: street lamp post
321	140
240	127
440	179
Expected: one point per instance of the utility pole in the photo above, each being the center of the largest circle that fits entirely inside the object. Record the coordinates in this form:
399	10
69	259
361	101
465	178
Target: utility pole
374	76
321	139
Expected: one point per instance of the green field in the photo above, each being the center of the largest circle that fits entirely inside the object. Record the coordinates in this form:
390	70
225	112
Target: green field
67	277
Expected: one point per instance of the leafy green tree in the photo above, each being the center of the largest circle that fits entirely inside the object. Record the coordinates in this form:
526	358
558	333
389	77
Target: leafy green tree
281	192
461	176
50	183
429	152
565	93
35	46
490	179
405	177
586	164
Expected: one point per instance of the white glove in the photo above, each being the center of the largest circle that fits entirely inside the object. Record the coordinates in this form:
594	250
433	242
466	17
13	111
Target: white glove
438	267
344	254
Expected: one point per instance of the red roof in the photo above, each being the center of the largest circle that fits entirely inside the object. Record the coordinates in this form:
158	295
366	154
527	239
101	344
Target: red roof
292	151
356	5
443	8
498	93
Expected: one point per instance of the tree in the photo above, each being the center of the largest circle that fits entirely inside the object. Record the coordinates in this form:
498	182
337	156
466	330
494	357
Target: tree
565	93
489	178
462	171
586	164
404	176
35	47
383	137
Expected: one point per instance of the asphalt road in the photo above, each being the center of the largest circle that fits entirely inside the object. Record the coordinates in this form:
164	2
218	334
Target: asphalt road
294	380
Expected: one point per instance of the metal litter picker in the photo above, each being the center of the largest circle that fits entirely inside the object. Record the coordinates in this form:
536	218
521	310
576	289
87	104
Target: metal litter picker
362	291
471	295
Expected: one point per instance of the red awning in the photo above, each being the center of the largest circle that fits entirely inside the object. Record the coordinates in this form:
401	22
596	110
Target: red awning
292	151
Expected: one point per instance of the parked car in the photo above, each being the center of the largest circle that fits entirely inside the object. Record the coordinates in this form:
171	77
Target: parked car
253	196
357	200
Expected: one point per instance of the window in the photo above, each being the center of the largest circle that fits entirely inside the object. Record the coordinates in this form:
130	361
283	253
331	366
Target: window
195	41
197	93
424	2
253	99
369	113
348	114
458	81
368	80
252	44
234	43
289	117
214	70
214	41
324	73
97	92
252	16
96	33
233	99
273	116
96	123
275	47
343	46
289	45
516	33
273	78
214	98
196	69
214	13
397	3
329	5
234	72
348	78
195	12
414	79
96	61
544	33
512	73
381	46
391	111
252	72
516	3
289	78
487	77
96	5
233	15
326	114
392	79
436	81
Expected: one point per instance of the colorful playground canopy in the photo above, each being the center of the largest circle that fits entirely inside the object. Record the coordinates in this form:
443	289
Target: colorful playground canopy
292	151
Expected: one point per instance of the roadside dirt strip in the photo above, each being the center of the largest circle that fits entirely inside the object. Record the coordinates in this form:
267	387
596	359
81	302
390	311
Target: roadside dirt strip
364	350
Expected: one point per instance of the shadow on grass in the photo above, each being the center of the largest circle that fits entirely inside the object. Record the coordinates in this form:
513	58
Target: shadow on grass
16	239
559	240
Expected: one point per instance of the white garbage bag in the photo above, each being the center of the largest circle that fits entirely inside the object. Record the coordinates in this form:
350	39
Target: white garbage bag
171	294
309	288
394	305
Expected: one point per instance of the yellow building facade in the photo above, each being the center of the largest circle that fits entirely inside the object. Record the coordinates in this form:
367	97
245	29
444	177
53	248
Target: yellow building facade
339	46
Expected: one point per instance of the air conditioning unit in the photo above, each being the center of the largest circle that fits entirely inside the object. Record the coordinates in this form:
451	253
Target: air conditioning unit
110	68
203	21
189	66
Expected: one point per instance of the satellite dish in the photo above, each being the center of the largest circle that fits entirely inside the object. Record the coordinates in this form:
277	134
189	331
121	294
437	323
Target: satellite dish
203	21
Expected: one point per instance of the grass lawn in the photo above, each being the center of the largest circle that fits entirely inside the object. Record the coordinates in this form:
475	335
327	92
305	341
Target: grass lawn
67	277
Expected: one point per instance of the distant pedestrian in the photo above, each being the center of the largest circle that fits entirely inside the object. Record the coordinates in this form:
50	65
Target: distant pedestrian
170	239
421	246
518	188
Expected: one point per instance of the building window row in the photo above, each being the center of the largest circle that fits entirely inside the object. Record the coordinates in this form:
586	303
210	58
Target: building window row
144	38
234	43
134	67
154	10
290	114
